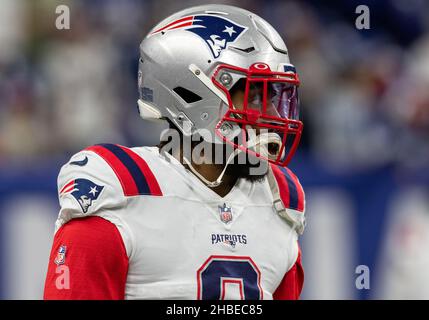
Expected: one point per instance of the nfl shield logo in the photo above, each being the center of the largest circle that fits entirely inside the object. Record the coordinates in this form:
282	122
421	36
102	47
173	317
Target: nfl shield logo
225	213
61	256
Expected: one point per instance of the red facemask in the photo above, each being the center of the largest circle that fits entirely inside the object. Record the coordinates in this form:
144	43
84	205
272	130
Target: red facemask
269	108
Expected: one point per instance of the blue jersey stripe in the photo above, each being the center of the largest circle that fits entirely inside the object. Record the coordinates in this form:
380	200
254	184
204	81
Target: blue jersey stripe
132	167
293	192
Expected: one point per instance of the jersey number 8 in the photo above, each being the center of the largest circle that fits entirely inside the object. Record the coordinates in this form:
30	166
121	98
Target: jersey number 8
219	271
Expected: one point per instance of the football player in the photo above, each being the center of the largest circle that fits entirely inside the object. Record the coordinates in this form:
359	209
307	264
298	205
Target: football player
212	212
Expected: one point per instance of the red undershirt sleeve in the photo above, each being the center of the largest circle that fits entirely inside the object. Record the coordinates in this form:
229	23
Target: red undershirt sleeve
291	286
88	261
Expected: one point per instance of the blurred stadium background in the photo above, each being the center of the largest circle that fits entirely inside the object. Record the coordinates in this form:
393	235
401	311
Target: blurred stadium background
363	161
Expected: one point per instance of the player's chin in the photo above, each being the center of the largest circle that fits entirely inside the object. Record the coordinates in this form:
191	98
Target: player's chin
253	170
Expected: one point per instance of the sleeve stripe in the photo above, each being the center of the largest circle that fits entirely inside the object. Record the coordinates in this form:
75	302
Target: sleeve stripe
283	186
132	171
291	191
128	184
153	185
299	190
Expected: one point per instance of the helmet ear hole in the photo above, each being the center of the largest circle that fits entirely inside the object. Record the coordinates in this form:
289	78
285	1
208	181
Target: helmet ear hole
187	95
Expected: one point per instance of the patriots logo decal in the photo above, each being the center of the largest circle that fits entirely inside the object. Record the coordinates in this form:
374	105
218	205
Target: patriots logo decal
84	191
216	31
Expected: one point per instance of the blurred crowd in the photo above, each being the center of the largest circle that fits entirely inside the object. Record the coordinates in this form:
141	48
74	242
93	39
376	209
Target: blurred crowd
364	94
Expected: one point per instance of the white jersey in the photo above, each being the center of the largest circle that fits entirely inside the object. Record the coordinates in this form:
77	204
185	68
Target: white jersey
183	240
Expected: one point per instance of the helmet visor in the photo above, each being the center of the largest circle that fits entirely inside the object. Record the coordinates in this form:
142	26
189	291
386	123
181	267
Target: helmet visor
281	99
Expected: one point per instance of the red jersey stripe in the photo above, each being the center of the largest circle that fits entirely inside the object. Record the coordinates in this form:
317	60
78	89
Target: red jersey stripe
283	185
125	178
155	190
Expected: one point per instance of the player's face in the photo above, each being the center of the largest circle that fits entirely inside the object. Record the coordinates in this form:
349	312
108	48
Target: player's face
255	102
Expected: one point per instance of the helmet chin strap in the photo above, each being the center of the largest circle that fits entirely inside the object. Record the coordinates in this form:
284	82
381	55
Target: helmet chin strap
257	142
218	181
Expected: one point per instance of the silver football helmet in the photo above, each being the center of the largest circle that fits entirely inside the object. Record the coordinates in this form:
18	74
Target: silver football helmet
226	70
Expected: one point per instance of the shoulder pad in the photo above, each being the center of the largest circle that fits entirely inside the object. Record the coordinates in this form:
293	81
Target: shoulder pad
291	191
101	177
288	196
132	171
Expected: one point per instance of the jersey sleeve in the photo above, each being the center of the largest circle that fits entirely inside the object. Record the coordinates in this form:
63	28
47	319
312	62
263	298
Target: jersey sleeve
87	186
88	261
292	283
289	202
101	178
89	258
